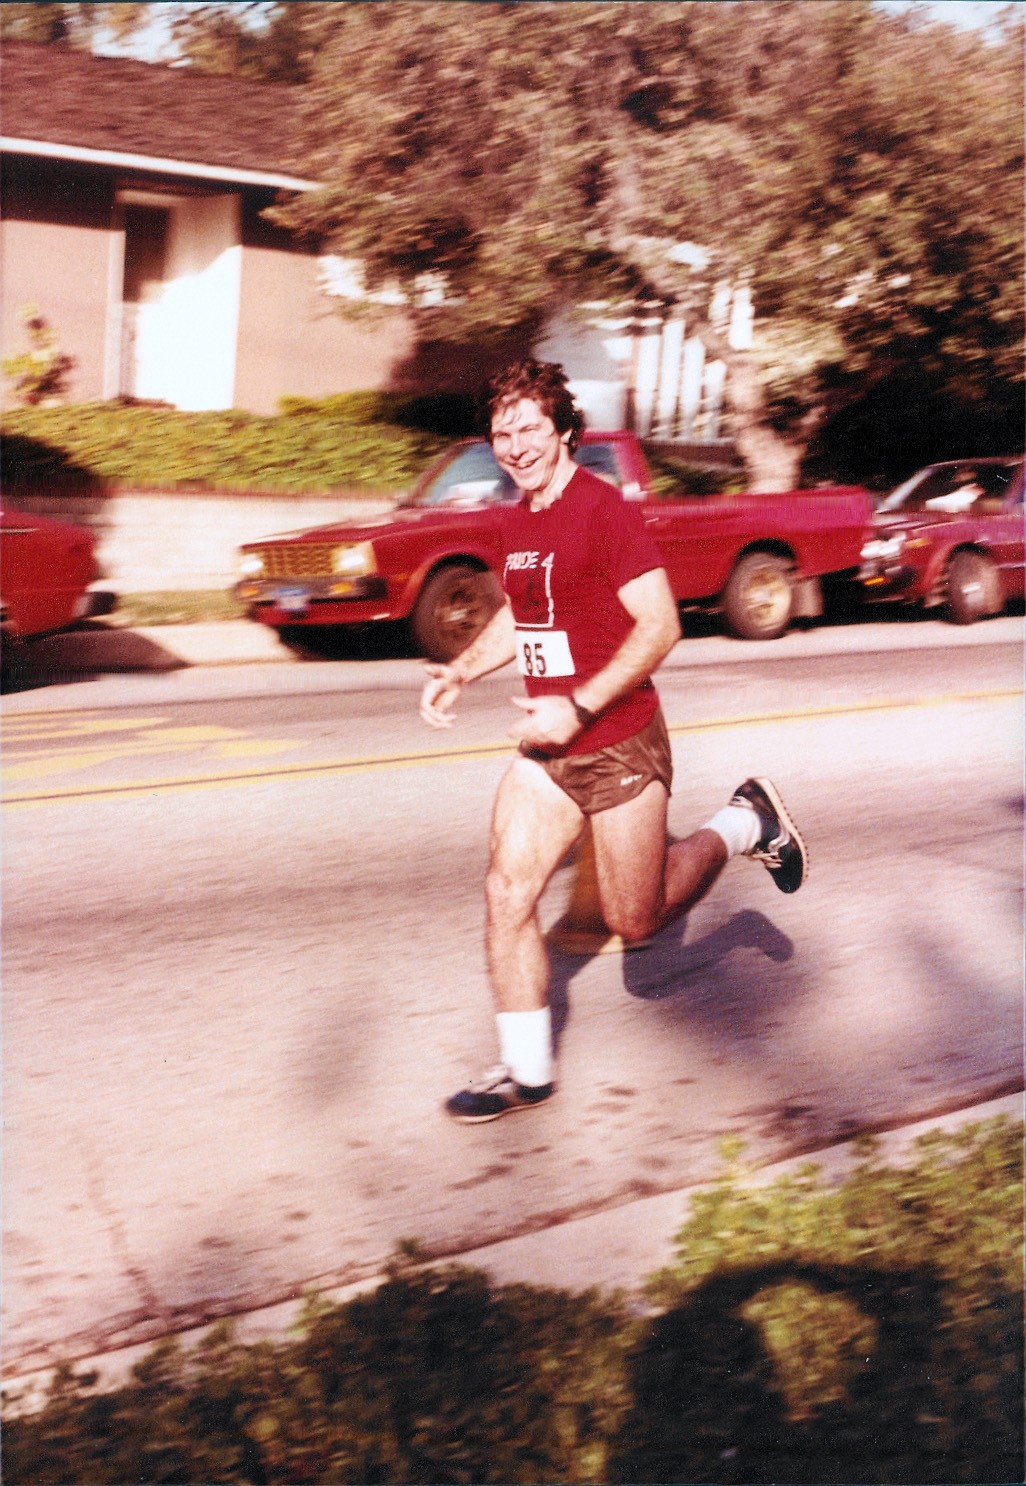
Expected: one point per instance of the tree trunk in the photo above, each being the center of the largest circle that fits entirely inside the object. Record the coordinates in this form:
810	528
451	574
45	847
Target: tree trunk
772	460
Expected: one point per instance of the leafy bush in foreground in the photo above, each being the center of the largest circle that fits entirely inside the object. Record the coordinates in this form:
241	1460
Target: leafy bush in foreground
866	1333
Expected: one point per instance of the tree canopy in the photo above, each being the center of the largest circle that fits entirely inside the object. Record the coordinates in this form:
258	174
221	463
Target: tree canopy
860	172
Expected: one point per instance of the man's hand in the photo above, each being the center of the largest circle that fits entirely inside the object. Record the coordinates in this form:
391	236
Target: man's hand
550	722
438	698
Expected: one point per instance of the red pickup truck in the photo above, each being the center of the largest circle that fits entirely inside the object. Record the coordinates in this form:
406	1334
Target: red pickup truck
432	561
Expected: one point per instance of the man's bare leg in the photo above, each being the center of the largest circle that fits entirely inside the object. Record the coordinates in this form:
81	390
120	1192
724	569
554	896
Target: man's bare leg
534	824
643	881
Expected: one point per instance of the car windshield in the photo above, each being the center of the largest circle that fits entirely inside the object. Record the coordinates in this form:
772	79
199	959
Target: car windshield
472	477
953	488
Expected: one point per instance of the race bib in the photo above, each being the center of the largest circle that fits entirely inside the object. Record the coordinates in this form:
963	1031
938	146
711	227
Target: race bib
545	653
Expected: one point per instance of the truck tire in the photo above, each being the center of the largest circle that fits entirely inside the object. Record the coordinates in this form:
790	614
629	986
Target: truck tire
973	588
454	606
758	598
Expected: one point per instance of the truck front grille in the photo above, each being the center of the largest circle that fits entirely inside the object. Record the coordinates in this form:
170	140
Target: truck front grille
296	559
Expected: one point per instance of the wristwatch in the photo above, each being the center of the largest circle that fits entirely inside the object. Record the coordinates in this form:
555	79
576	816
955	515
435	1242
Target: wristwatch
584	717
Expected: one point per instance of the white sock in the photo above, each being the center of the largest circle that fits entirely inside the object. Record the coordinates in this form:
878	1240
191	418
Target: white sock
525	1043
738	827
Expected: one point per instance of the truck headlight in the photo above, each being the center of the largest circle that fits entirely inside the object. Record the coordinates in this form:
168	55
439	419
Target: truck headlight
355	561
251	565
883	549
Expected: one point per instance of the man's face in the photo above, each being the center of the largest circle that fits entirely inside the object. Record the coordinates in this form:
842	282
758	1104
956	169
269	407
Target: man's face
526	444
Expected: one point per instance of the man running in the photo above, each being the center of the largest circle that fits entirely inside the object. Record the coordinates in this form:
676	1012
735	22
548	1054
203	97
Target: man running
589	616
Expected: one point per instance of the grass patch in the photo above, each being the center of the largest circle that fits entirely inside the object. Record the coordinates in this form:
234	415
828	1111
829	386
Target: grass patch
177	606
870	1332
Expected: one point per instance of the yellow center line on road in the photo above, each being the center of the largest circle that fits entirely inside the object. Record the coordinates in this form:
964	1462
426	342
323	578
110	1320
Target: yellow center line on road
376	762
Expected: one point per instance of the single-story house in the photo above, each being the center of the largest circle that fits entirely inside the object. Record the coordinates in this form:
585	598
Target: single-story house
131	219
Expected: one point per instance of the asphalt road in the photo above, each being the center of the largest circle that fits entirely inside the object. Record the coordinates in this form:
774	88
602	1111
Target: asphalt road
243	968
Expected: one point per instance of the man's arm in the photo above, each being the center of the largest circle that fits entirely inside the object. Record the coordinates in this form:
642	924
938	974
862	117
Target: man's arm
649	601
495	646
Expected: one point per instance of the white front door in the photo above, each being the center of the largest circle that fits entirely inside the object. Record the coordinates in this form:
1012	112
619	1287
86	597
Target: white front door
182	280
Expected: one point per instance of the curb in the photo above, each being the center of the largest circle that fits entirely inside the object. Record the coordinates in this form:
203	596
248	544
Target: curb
100	648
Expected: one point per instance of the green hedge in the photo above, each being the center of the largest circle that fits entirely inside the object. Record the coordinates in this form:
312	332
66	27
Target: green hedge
866	1333
353	441
313	447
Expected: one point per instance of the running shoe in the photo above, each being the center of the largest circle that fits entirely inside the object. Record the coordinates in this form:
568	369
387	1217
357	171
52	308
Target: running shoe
780	847
496	1093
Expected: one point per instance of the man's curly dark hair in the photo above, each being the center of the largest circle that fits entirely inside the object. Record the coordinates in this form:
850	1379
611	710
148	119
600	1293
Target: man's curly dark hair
545	383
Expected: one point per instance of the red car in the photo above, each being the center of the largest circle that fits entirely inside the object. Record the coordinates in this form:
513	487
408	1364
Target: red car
47	568
951	537
432	561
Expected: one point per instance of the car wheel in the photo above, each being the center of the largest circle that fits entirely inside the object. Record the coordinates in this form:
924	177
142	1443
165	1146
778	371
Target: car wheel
974	588
758	597
454	606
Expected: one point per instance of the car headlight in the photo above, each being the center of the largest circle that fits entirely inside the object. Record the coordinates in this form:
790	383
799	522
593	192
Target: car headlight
251	565
356	561
883	549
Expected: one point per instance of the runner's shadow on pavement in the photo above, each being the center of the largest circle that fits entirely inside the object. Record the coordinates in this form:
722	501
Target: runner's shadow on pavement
666	965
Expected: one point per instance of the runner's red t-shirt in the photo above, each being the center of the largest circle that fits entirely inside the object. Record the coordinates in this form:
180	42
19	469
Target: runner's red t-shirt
563	569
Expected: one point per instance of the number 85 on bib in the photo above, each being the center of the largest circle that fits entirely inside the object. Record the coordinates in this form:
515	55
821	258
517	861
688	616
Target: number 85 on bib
544	654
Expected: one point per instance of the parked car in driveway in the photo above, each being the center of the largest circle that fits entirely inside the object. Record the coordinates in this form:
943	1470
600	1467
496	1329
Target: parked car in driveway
47	569
433	560
951	537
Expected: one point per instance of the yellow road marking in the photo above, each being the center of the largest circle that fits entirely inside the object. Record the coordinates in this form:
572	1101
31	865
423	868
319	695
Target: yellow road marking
416	758
38	762
78	727
39	765
147	739
203	733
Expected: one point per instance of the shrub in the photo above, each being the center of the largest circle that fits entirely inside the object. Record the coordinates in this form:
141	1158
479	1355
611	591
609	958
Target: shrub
355	440
870	1332
433	1377
451	415
165	449
40	374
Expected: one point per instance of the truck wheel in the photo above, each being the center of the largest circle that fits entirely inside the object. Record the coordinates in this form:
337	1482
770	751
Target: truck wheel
974	589
454	606
757	599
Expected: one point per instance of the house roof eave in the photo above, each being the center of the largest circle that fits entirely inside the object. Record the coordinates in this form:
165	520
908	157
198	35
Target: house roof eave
191	169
